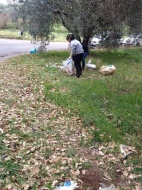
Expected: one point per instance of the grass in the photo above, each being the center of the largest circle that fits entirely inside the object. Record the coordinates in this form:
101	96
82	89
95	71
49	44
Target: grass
110	103
11	33
9	168
108	107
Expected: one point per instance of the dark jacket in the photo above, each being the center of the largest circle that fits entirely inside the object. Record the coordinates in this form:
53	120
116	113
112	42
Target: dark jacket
85	48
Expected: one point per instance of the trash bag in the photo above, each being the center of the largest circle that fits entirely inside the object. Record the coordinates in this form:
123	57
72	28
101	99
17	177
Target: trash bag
33	50
107	70
68	66
70	185
89	65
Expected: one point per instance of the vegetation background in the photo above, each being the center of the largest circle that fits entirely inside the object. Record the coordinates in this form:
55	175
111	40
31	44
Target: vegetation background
9	32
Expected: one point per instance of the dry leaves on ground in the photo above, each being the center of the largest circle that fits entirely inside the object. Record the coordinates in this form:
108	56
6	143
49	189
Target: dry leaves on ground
42	140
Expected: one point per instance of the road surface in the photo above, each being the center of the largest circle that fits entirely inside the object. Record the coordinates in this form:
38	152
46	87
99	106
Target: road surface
10	47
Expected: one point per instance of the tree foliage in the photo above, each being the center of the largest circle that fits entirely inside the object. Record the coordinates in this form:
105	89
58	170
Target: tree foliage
81	17
98	16
36	16
135	19
4	15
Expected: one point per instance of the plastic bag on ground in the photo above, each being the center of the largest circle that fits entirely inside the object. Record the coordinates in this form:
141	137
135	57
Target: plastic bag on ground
71	186
33	50
89	65
126	150
68	66
107	70
111	187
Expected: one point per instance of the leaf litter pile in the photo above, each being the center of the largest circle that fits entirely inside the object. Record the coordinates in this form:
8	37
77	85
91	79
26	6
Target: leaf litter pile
41	144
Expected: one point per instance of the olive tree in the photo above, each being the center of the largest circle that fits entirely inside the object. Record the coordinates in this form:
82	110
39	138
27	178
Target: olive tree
81	17
36	16
84	18
135	19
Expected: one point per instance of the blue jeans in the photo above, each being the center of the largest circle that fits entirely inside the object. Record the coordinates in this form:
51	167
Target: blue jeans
83	59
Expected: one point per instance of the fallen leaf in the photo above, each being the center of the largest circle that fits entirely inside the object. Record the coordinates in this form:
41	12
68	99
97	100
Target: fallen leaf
35	170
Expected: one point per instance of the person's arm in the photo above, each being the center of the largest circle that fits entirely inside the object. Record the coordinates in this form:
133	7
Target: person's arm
73	48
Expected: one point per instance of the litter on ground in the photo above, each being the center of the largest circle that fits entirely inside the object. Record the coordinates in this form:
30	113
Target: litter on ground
107	70
68	185
33	50
126	150
89	65
111	187
68	66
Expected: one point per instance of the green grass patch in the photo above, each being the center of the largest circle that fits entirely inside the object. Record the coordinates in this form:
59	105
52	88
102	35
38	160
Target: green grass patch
3	148
112	104
9	169
59	32
12	33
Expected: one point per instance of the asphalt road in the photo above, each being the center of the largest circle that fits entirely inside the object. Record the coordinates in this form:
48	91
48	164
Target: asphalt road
10	47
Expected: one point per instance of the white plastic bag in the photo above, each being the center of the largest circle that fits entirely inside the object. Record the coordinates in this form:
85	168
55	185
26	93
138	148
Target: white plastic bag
72	186
111	187
107	70
89	65
68	66
126	150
